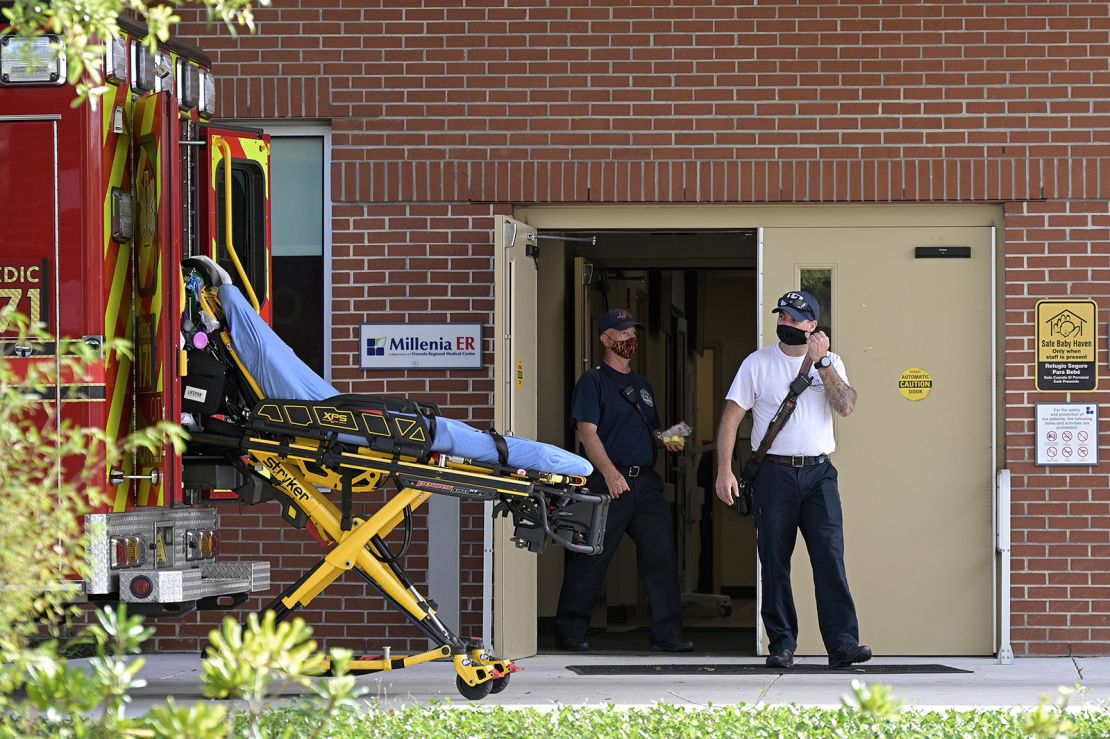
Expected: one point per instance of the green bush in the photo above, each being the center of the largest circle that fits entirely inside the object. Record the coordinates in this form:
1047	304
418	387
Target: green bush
52	472
676	722
60	699
44	695
256	662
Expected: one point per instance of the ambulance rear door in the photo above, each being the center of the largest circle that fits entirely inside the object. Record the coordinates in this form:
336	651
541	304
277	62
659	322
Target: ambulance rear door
158	287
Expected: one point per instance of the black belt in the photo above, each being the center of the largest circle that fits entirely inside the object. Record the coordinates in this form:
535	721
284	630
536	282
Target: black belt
798	460
634	471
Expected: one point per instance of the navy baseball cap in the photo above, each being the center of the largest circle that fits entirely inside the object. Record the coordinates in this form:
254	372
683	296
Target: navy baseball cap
799	304
617	318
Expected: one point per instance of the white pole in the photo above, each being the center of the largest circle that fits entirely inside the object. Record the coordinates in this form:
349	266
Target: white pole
487	575
1005	652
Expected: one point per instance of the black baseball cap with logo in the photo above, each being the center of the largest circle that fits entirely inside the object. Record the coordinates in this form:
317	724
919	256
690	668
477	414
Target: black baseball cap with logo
802	306
618	318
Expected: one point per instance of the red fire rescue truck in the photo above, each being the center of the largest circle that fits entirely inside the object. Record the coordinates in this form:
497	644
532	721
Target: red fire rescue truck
100	205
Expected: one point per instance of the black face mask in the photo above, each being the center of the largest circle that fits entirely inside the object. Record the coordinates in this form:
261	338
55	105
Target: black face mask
790	335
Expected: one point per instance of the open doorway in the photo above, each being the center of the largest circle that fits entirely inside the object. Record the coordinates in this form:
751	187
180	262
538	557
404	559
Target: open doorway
695	293
876	262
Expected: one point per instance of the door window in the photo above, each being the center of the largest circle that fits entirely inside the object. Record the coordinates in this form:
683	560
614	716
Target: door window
298	203
818	283
248	223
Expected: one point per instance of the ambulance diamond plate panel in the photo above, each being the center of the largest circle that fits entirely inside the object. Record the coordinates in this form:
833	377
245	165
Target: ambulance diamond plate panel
181	585
256	574
101	527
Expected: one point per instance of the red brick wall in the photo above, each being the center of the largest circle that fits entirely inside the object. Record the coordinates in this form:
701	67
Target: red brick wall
1061	515
446	112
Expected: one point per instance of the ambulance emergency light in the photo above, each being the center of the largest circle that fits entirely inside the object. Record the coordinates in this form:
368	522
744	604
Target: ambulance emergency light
163	72
115	60
142	68
32	61
207	93
123	220
188	84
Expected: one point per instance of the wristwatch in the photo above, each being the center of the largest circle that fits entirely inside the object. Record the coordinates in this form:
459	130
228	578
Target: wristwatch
823	362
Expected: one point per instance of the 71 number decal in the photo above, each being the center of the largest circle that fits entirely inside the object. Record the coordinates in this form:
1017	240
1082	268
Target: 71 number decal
23	288
14	297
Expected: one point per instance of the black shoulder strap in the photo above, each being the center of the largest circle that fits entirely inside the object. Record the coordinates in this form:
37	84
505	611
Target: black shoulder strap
797	386
628	393
501	446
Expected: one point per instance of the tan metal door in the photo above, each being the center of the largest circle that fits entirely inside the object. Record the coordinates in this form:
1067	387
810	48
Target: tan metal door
915	475
515	409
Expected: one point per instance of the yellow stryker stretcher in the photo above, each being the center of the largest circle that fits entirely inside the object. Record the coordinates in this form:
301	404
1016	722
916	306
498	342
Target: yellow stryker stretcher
303	453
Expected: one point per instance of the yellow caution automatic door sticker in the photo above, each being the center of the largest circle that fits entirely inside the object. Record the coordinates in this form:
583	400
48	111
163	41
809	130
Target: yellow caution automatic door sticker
915	384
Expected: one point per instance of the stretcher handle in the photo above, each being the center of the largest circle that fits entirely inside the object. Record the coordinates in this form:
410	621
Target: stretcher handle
222	145
601	503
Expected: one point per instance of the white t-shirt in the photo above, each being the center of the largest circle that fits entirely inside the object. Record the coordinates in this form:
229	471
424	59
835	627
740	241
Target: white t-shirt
760	385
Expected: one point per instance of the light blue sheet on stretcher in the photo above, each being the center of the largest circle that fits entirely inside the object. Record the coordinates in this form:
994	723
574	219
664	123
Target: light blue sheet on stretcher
281	374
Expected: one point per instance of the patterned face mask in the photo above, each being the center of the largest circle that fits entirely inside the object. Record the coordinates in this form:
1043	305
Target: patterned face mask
625	348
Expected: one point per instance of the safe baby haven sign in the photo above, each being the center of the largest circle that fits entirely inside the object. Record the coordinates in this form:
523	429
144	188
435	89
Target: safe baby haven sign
1067	345
420	346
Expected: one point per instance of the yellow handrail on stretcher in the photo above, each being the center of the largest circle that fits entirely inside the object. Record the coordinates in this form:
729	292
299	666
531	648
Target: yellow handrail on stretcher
228	344
222	145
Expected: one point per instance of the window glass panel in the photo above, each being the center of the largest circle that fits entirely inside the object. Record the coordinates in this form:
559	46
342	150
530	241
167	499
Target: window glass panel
818	282
298	195
297	205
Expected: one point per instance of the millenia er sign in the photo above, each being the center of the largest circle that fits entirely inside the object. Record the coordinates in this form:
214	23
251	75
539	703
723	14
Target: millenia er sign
420	346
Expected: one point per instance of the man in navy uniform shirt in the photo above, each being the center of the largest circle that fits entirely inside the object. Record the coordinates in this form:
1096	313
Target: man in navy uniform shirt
614	411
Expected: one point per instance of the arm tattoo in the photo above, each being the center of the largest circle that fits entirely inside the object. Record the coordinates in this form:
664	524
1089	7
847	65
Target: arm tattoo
841	396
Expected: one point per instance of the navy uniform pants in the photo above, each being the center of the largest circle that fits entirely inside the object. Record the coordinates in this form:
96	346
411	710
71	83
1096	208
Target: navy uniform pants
642	513
789	499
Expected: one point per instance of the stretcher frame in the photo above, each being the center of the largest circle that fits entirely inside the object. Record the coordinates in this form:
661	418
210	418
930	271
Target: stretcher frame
293	451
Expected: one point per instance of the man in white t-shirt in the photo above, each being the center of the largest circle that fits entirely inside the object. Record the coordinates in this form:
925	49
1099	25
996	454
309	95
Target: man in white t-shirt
795	487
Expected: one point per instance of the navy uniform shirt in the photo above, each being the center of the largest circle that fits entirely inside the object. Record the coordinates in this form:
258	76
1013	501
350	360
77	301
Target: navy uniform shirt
597	399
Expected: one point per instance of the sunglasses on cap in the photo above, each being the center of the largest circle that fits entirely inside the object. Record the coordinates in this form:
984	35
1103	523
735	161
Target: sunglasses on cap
794	300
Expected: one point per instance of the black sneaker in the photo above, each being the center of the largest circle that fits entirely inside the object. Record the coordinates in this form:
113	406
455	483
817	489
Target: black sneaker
678	644
783	659
574	645
850	656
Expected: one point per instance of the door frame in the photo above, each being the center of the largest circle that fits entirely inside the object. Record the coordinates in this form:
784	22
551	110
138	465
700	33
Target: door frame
509	573
712	217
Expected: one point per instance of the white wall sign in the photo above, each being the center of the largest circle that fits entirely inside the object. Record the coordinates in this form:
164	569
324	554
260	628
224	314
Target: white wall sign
420	346
1067	433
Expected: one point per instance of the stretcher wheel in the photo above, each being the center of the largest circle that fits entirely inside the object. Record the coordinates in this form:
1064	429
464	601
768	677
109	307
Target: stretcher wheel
724	610
473	692
500	683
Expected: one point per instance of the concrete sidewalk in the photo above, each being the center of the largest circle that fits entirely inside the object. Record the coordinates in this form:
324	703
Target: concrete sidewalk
545	680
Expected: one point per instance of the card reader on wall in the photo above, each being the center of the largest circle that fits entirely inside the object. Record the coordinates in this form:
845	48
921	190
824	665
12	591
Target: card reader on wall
942	252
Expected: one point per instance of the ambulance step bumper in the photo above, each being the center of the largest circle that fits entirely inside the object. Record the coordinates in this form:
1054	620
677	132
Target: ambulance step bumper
186	584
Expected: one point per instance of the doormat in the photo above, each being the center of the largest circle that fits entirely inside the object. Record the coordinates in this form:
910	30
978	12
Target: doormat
759	669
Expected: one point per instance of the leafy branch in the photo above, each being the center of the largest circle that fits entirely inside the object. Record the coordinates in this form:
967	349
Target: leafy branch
84	26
